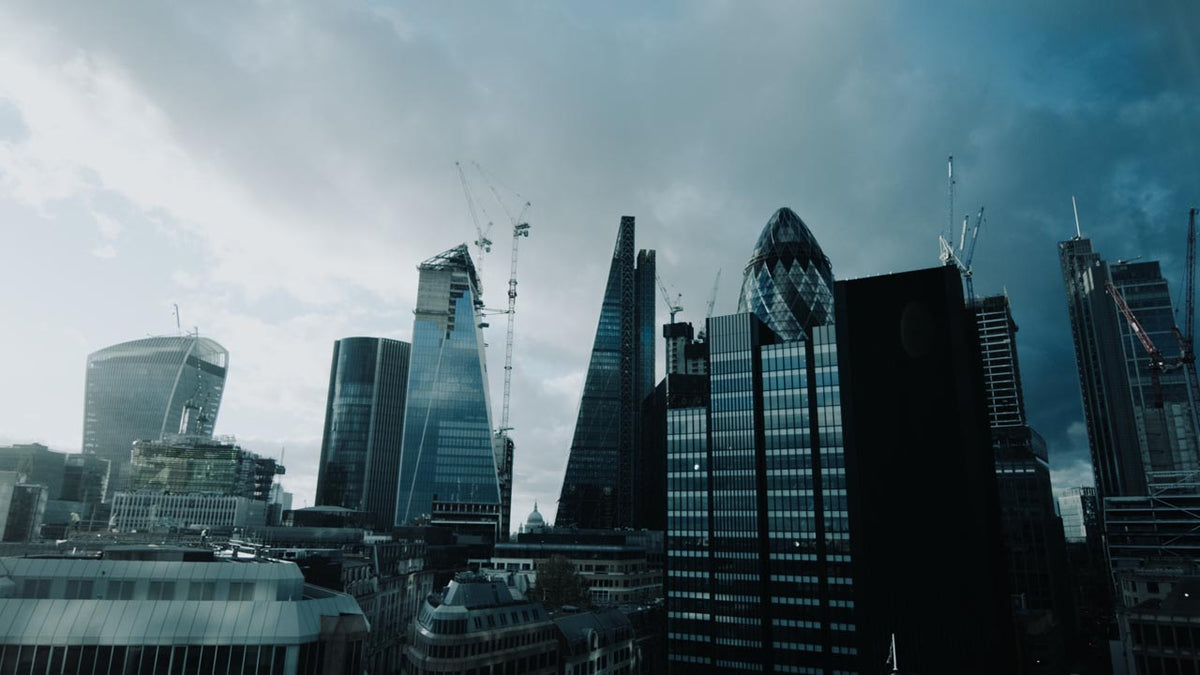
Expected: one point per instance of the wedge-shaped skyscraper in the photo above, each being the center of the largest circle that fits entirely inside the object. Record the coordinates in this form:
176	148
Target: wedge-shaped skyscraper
447	452
598	488
143	389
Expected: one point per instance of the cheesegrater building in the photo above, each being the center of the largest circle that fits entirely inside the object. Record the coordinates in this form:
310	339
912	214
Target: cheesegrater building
143	389
598	489
447	459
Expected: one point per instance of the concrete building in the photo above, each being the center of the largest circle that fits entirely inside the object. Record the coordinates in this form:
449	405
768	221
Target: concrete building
477	626
146	610
616	570
600	643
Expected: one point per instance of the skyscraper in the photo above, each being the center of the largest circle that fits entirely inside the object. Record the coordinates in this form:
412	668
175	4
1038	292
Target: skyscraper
1134	426
364	424
143	389
807	514
598	489
1028	513
447	454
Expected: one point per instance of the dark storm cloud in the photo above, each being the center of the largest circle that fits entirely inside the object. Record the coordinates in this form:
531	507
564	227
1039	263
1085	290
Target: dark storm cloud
698	118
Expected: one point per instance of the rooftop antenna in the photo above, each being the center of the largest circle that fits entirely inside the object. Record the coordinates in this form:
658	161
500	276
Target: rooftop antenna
892	660
178	328
1074	208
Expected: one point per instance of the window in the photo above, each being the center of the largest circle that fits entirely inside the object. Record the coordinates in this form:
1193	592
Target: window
201	590
162	590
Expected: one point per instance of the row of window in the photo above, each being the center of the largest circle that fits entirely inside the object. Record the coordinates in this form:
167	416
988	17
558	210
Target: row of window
161	660
114	589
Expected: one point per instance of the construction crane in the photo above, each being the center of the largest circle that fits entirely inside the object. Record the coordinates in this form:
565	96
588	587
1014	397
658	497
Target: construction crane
712	296
520	229
673	308
482	243
1158	364
963	256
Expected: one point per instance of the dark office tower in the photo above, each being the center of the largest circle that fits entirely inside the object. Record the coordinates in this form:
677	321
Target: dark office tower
143	389
598	489
1107	401
447	454
1033	539
924	522
364	424
760	569
1166	414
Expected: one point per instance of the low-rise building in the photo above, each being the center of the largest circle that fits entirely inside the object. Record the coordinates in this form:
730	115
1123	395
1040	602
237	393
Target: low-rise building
479	626
147	609
597	643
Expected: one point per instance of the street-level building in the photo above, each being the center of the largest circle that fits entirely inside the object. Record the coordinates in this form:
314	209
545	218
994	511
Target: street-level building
144	610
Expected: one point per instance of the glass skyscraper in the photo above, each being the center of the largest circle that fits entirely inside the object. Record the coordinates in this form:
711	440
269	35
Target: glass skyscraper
447	452
807	499
598	489
1130	433
758	549
140	390
364	424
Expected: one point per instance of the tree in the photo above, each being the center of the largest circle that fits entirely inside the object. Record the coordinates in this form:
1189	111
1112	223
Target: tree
559	584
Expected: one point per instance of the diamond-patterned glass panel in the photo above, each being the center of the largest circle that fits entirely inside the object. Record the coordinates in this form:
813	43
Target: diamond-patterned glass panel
788	282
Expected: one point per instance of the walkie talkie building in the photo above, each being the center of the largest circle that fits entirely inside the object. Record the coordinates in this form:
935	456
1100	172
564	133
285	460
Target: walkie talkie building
143	389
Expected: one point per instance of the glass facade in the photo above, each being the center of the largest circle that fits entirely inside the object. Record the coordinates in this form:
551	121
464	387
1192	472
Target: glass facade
1166	434
139	390
1107	400
201	466
447	450
601	471
758	544
364	424
788	282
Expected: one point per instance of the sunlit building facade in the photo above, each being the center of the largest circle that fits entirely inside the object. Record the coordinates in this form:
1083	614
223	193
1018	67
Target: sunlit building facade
364	425
447	454
143	389
599	485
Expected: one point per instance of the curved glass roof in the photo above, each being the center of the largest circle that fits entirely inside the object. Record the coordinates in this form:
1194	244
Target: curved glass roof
788	282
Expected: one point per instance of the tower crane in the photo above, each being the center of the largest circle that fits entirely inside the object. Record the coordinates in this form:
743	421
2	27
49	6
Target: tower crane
712	296
673	308
963	256
482	243
520	229
1158	364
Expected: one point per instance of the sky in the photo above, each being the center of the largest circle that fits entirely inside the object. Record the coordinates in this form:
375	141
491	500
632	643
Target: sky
278	169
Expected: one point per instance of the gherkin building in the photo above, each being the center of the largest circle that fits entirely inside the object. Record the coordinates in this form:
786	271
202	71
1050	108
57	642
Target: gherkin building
788	282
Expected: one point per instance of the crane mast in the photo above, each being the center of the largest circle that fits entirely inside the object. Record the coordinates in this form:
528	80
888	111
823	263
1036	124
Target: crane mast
519	230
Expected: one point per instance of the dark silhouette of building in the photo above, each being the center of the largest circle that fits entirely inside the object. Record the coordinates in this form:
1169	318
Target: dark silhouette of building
920	476
364	426
1035	551
598	489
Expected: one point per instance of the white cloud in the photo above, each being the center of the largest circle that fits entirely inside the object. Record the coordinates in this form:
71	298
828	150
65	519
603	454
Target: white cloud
110	229
105	251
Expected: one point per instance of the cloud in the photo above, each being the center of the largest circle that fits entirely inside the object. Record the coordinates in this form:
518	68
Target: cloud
105	251
281	170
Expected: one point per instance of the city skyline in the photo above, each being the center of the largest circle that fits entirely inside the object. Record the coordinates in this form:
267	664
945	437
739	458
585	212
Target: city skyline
283	195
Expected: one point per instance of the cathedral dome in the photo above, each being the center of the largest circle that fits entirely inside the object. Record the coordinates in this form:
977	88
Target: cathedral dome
788	282
535	519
